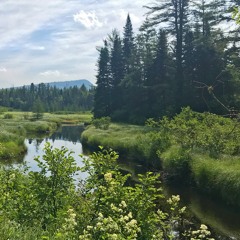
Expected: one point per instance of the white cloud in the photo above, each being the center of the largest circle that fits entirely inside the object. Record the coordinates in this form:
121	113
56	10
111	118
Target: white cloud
42	40
88	19
3	69
54	73
35	47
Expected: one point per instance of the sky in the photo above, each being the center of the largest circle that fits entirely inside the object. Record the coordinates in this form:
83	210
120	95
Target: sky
55	40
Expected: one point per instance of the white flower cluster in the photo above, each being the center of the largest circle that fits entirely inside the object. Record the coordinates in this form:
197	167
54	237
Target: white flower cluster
119	226
202	233
67	229
108	177
174	199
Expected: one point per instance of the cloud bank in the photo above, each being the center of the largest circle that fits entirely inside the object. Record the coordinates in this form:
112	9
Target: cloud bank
56	40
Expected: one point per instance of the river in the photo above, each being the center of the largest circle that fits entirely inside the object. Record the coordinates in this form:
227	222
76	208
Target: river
225	220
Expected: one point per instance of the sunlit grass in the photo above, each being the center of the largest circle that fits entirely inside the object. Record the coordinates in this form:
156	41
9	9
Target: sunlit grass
15	126
220	177
124	138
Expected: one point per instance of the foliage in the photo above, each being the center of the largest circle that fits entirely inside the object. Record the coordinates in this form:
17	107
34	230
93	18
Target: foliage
102	123
54	184
44	98
203	132
8	116
180	57
47	204
204	148
235	15
38	109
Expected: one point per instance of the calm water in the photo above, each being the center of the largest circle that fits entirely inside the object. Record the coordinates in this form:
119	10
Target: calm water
224	219
67	136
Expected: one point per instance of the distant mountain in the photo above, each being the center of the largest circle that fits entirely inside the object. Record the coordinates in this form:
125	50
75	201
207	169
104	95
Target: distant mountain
65	84
72	83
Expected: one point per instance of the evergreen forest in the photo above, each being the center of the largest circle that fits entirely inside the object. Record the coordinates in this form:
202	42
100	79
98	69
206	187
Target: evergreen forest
44	98
186	53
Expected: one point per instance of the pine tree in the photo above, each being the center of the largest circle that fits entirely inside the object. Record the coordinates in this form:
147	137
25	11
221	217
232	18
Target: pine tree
172	15
117	70
128	46
102	98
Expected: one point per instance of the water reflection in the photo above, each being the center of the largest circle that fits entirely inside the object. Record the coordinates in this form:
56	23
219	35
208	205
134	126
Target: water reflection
223	219
68	133
67	136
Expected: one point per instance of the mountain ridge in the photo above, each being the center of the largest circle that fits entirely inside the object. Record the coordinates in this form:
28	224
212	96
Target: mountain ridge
71	83
64	84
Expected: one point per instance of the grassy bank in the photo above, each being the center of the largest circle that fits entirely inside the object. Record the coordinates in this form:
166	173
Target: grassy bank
219	177
15	126
128	140
201	149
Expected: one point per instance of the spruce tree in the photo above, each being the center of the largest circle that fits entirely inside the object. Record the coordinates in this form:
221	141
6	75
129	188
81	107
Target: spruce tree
128	45
102	98
173	16
117	70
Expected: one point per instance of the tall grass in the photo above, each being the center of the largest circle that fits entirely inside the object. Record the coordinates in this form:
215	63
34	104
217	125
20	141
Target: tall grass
15	126
193	148
220	178
128	140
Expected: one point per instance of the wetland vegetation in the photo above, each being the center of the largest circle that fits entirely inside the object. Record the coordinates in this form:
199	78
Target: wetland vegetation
16	126
175	79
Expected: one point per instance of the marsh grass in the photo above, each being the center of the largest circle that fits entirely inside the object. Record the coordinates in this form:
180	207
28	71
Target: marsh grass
176	163
68	118
193	148
14	129
219	177
126	139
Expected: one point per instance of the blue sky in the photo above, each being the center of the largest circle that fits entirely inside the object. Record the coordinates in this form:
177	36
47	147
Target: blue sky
56	40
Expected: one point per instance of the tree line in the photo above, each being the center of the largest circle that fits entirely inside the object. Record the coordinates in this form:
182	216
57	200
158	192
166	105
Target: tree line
45	98
186	53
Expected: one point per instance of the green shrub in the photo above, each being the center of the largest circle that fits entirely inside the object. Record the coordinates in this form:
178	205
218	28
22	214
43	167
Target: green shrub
176	163
47	205
8	116
102	123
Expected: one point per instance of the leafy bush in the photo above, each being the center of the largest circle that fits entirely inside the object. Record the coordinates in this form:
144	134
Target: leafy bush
102	123
8	116
176	163
47	205
203	131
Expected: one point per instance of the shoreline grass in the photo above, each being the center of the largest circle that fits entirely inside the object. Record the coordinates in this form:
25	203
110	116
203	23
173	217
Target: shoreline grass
16	126
219	177
127	140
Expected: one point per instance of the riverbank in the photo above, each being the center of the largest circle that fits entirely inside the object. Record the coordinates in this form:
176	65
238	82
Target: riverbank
130	141
15	126
197	149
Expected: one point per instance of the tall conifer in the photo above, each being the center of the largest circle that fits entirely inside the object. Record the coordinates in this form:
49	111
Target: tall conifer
102	98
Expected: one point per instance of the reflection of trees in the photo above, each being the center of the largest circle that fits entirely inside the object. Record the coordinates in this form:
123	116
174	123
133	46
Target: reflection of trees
36	142
68	133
